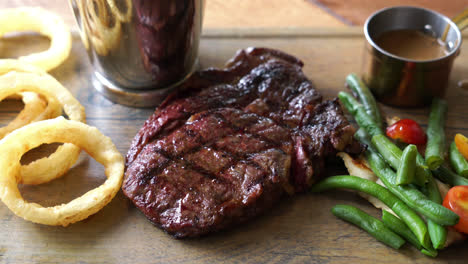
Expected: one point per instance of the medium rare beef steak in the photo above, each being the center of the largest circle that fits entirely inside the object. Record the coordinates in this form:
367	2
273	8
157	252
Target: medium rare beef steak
231	142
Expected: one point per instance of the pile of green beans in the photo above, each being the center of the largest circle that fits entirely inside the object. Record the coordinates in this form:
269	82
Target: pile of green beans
411	196
438	233
409	191
435	134
372	225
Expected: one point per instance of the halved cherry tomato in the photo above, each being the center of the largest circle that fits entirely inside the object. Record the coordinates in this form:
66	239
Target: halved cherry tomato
457	201
462	144
408	131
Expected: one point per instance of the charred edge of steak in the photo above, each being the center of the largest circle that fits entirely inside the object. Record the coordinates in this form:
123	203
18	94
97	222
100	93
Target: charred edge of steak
325	131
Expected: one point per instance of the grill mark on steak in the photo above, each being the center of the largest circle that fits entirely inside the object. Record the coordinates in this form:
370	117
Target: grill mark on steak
235	156
231	142
258	66
246	130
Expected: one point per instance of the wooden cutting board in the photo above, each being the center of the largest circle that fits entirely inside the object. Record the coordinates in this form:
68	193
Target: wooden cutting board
300	229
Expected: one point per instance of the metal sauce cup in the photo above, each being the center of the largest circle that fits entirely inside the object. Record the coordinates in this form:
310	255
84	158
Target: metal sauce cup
139	49
404	82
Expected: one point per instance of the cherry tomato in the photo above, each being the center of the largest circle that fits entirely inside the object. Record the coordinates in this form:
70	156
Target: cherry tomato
462	144
408	131
457	201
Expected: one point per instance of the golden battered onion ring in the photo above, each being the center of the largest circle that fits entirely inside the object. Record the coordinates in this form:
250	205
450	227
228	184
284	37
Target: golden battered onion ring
55	165
44	22
8	65
53	109
59	129
123	17
35	107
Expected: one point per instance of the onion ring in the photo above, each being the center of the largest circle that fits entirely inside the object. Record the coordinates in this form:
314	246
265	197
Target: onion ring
123	17
8	65
33	105
35	108
54	166
45	23
59	129
53	109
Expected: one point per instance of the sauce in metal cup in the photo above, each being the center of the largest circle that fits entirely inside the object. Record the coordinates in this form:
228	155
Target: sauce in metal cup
400	81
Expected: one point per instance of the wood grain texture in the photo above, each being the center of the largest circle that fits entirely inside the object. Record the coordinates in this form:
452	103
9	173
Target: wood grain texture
300	229
228	13
357	11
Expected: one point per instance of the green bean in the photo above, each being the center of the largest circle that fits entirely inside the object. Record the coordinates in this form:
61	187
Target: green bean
366	97
362	136
422	171
429	252
446	175
392	154
407	168
372	225
435	134
389	151
359	113
398	226
412	220
437	233
410	195
458	162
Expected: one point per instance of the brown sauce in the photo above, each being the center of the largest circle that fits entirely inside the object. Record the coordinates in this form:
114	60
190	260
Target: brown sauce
411	44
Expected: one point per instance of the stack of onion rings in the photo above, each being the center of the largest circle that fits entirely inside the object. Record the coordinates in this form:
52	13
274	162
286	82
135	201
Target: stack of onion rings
48	24
55	165
45	98
36	65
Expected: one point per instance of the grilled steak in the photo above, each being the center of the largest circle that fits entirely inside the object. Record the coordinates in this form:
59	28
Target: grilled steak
231	142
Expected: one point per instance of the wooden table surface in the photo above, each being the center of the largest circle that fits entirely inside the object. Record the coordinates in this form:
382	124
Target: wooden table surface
299	229
229	13
278	13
